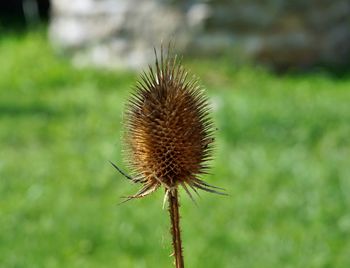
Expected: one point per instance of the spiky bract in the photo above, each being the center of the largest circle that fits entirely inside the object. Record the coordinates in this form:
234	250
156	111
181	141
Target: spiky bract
168	131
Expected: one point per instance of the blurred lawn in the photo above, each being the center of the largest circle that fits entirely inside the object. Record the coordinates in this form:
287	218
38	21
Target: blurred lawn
283	153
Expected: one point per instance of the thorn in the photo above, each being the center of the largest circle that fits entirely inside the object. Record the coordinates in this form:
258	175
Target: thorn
208	189
189	193
124	201
121	172
166	196
207	184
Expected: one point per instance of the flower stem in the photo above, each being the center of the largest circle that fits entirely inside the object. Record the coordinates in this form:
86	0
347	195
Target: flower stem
175	228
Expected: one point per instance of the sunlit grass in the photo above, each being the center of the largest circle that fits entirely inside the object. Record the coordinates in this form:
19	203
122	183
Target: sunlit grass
283	150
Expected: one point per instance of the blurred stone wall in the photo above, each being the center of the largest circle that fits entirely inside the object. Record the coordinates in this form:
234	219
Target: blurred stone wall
282	33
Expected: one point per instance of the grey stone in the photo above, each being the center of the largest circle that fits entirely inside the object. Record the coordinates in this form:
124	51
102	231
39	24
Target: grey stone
122	33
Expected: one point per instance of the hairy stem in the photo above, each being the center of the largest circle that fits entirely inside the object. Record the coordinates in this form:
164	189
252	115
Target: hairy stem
175	228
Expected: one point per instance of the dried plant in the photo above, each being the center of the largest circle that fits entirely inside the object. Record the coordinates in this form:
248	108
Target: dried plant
169	137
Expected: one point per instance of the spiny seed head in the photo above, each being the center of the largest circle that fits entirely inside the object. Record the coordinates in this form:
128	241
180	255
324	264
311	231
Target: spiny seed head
168	130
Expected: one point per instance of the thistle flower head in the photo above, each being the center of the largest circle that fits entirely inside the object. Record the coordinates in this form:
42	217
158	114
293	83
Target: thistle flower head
168	129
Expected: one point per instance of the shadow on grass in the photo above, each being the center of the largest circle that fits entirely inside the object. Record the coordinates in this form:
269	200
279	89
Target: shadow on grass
341	71
35	109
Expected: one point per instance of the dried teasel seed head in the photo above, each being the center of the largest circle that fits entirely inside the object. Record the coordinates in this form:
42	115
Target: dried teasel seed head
168	129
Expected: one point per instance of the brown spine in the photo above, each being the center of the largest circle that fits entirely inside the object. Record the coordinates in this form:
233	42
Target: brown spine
175	228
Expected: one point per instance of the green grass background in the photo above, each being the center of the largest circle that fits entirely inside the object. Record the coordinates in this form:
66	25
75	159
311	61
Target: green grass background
283	154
